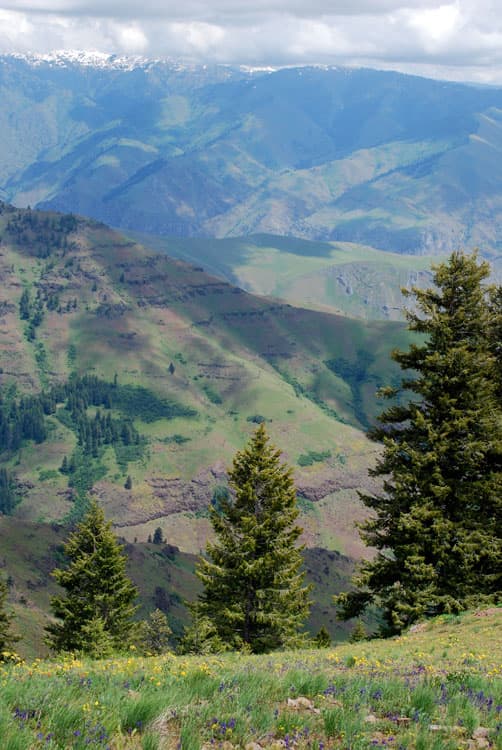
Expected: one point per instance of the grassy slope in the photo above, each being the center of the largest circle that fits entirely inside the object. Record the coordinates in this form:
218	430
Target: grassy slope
235	356
124	310
438	688
339	277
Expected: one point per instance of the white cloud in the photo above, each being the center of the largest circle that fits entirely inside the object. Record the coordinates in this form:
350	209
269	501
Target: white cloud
131	38
459	39
436	25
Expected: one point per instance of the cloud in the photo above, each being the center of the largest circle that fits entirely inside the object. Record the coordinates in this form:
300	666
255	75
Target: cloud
211	11
459	39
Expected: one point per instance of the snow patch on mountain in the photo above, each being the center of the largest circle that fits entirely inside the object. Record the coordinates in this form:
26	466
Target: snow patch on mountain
92	59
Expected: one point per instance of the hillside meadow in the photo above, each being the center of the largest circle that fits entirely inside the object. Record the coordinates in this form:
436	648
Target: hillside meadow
187	365
436	687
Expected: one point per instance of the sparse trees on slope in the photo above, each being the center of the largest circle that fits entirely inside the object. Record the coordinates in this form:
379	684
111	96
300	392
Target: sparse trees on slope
99	597
253	588
7	637
436	525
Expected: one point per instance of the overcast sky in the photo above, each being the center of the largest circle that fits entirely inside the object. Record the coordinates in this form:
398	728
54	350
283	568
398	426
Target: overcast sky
459	40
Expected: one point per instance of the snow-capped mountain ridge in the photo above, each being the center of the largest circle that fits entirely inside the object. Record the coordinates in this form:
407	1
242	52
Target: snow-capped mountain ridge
107	61
96	59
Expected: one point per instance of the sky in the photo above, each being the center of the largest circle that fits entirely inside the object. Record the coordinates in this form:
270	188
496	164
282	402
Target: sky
457	40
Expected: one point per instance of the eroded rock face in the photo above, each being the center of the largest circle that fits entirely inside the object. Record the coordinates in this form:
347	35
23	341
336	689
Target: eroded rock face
179	495
317	488
170	495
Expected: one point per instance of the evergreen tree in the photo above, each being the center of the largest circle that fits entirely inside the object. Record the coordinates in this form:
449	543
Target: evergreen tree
436	525
358	633
158	536
495	336
99	595
201	637
24	305
154	633
253	588
323	638
9	494
7	637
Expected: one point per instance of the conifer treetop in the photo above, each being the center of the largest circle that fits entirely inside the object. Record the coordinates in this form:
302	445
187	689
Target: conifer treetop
96	585
254	595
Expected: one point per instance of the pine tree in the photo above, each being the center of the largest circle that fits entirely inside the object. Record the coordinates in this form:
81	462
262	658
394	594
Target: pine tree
99	596
436	525
253	588
7	637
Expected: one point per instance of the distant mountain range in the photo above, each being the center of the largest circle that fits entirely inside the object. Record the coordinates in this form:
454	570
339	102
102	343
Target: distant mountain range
381	159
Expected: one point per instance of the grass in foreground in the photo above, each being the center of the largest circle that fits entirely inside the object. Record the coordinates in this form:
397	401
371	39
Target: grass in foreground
438	688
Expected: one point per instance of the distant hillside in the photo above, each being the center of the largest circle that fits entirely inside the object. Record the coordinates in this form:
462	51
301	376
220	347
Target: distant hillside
162	573
380	159
336	277
117	362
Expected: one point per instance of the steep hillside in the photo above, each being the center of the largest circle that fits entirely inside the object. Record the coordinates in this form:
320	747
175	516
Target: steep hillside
381	159
163	574
136	365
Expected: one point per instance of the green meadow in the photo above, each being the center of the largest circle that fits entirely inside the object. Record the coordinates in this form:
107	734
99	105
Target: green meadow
436	687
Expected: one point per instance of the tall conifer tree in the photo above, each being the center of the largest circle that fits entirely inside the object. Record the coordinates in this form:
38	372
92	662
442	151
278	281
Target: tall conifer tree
495	336
436	525
99	596
253	588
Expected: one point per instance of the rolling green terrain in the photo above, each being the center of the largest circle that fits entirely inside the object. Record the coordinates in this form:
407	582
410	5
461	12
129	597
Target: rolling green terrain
436	688
380	159
135	377
338	277
195	363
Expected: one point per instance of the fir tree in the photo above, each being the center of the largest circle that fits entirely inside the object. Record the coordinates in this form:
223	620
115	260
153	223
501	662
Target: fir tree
253	588
24	305
9	494
358	633
154	633
99	596
436	525
7	637
323	638
158	536
495	336
201	636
